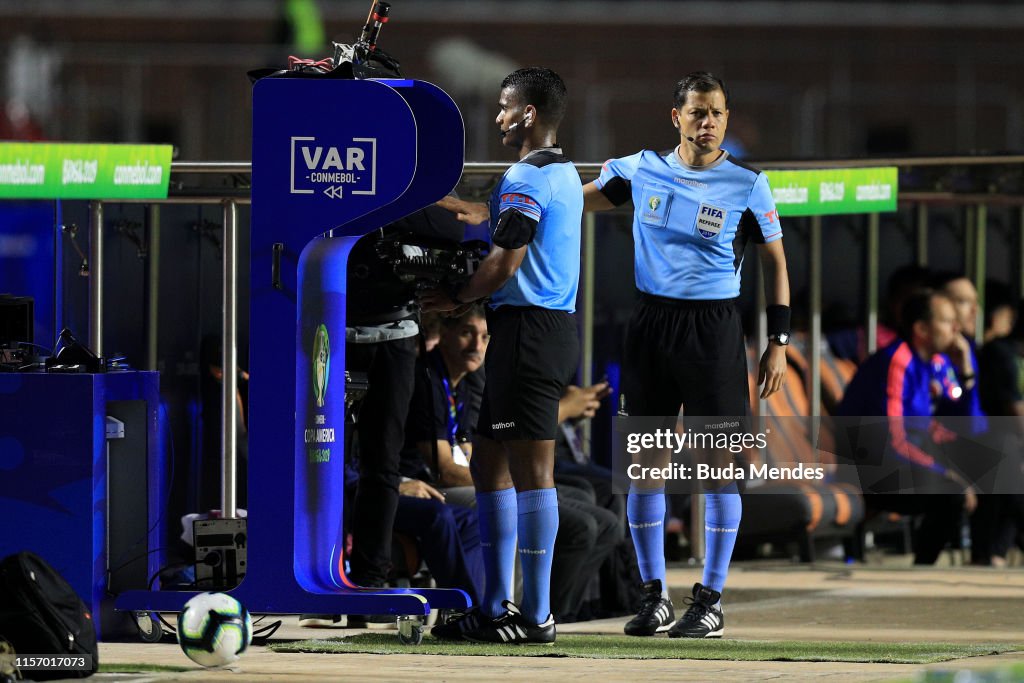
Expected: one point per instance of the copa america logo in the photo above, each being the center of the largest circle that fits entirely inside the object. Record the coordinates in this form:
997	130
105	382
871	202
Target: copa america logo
321	364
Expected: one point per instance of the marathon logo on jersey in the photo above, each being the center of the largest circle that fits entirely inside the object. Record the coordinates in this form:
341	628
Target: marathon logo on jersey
334	170
710	221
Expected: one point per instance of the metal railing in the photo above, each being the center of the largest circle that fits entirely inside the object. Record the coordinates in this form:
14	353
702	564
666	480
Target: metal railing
230	201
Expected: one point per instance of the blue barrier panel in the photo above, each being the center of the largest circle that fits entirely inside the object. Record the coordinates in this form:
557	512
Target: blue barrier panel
57	478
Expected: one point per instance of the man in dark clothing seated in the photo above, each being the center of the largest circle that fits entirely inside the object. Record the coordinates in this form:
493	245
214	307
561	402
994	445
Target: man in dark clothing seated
999	520
442	419
444	409
447	538
380	337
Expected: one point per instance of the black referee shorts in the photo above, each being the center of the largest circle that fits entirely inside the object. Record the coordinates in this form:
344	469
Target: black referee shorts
531	358
685	353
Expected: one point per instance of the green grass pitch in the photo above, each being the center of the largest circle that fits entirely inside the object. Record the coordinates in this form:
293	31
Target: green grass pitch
625	647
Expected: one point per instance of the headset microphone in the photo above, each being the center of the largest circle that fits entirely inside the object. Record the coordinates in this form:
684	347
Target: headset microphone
503	133
676	122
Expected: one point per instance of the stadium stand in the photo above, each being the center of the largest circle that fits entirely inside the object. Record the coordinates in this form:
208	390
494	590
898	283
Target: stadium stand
806	513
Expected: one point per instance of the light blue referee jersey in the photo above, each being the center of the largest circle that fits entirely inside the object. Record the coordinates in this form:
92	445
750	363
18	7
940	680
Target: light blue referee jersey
691	224
546	187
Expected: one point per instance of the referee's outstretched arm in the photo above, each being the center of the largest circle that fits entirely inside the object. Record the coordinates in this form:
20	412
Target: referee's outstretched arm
494	271
594	199
472	213
772	369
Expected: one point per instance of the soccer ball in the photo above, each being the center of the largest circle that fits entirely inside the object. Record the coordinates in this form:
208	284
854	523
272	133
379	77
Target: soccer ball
214	629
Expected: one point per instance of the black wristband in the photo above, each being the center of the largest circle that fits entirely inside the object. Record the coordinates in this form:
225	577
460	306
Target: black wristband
778	319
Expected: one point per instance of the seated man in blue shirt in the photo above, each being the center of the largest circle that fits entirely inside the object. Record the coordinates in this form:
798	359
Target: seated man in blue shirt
911	381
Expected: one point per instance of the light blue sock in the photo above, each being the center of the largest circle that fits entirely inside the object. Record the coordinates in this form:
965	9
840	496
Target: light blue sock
645	510
723	510
538	525
497	512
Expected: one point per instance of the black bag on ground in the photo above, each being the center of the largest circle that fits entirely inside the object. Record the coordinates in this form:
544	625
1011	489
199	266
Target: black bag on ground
620	582
40	614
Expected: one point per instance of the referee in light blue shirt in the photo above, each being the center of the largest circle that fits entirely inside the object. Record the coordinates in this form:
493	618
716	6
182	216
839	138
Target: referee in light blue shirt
531	276
695	208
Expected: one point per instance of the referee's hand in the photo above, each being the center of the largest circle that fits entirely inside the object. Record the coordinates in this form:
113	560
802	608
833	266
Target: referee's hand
414	488
473	213
772	370
438	301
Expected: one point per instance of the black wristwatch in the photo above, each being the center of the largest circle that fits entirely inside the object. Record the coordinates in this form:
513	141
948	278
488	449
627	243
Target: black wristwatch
782	338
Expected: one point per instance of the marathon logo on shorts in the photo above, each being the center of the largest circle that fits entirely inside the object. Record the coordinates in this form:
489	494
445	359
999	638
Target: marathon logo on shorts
710	221
503	425
333	169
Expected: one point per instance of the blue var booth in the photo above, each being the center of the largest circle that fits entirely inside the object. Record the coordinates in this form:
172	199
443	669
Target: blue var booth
332	160
81	481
